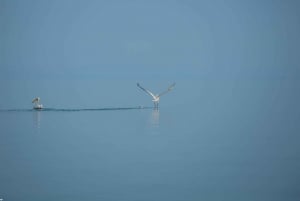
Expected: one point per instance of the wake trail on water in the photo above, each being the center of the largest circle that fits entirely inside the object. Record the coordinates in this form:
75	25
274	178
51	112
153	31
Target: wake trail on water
75	109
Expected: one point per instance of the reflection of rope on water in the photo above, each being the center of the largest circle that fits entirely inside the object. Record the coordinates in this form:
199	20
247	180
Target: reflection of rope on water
75	109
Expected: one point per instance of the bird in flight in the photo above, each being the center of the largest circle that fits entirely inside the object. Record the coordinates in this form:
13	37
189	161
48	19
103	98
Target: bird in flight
157	96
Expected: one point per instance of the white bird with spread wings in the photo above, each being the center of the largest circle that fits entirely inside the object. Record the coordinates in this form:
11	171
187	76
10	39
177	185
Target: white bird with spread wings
156	97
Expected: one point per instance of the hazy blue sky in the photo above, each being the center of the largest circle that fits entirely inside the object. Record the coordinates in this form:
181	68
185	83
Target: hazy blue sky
70	46
62	38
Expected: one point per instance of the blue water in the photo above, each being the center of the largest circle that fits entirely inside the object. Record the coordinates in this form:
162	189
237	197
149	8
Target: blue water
193	152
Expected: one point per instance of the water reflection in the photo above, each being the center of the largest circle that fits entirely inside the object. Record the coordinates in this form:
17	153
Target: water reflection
37	119
155	118
154	121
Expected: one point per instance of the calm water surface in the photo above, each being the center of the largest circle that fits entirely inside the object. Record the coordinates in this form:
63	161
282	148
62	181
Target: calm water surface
145	154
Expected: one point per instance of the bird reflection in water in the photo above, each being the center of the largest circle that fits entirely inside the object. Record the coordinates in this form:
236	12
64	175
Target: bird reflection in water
154	121
37	119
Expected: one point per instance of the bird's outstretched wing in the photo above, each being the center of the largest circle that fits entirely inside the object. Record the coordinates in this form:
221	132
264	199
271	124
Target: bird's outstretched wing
146	90
169	89
35	99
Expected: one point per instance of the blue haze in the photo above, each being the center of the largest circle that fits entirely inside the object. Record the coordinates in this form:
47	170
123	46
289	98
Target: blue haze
228	131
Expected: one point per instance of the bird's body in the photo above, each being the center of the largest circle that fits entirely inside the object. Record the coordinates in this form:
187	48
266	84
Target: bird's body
37	105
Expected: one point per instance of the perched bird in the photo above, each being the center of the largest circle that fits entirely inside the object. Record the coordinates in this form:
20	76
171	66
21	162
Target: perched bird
37	105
